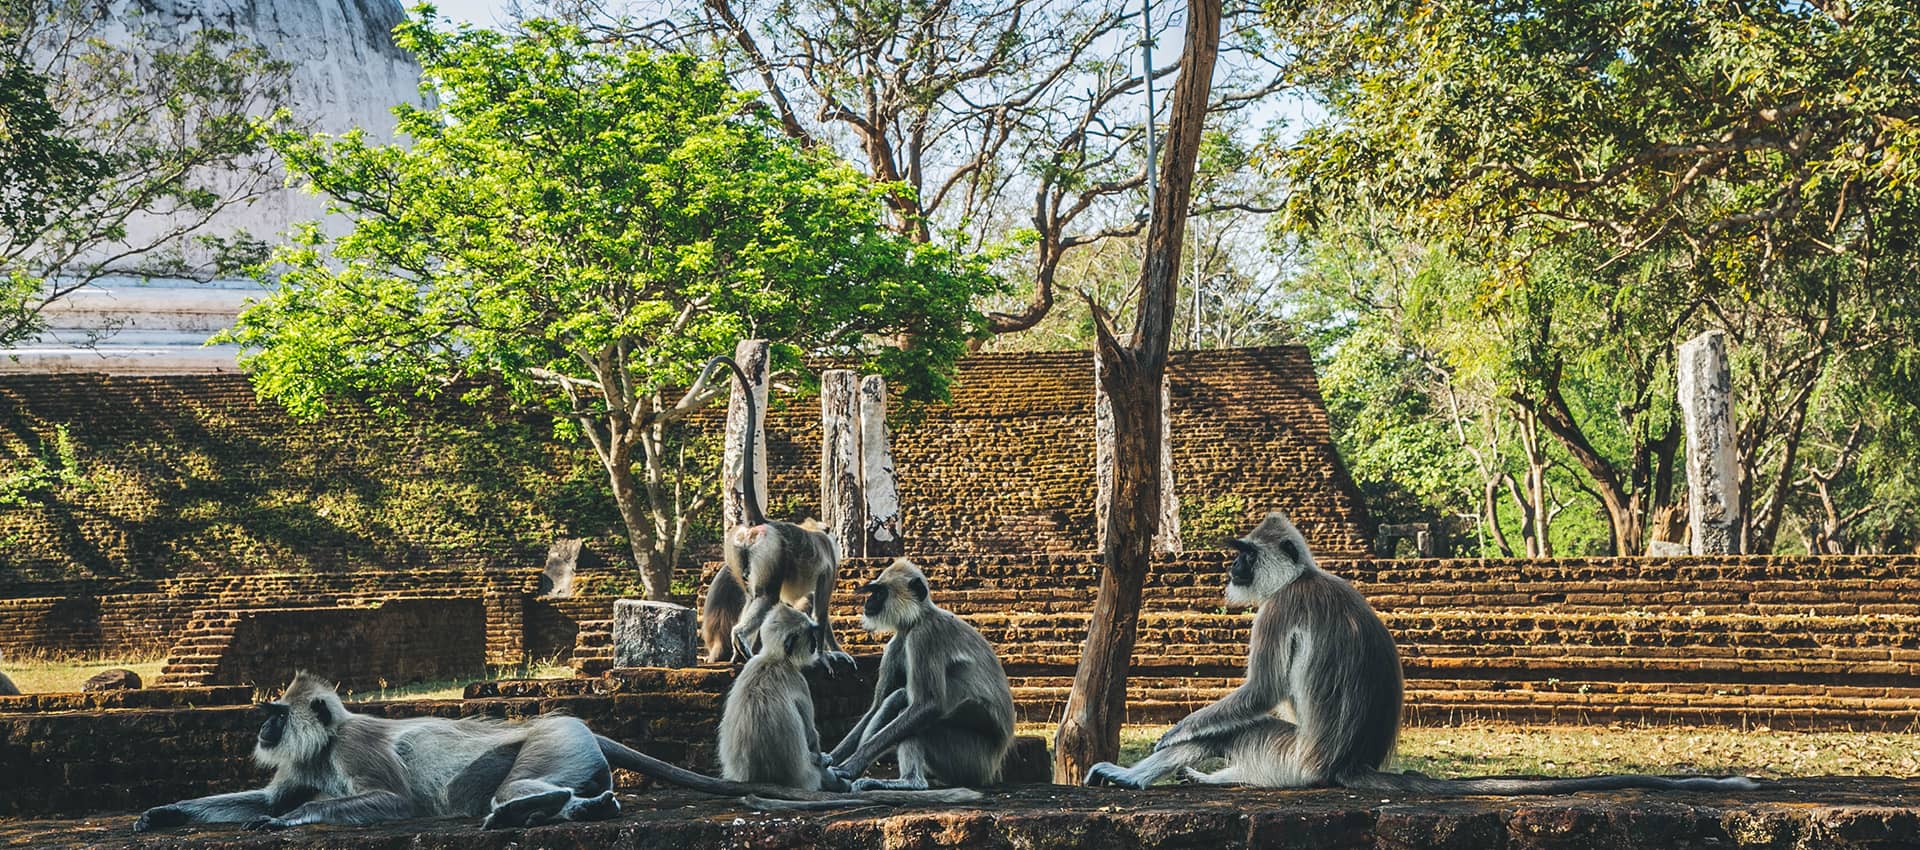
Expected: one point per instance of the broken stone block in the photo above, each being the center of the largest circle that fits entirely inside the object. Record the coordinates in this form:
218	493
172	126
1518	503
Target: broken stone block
654	634
117	679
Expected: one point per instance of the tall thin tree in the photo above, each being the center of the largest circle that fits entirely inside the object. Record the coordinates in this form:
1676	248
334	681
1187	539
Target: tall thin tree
1131	373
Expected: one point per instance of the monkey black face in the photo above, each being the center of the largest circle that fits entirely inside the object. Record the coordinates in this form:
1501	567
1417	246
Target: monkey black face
276	726
876	598
1240	572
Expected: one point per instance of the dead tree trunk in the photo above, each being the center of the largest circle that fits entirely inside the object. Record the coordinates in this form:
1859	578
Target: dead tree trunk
1166	541
1131	373
843	510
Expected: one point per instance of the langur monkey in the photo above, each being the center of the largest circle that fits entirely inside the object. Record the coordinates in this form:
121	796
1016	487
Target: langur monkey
767	562
1320	649
767	733
942	702
331	765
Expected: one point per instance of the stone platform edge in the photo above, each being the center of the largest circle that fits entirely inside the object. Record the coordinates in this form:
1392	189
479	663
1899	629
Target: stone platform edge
1829	812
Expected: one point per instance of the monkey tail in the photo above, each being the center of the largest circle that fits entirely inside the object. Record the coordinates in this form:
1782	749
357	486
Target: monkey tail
1500	786
627	758
755	516
931	797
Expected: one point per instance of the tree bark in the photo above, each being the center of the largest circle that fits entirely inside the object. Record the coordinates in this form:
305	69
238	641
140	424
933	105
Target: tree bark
1131	374
656	573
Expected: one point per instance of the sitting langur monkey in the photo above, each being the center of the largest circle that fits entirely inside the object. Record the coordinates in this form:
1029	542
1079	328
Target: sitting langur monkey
767	732
1319	648
942	703
331	765
767	562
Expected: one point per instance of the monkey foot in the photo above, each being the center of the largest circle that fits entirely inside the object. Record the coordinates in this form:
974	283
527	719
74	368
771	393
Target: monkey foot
1108	773
160	817
530	810
603	807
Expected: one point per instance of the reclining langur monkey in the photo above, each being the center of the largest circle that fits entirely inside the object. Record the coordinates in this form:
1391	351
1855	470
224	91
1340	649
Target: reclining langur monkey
942	702
1318	647
331	765
767	562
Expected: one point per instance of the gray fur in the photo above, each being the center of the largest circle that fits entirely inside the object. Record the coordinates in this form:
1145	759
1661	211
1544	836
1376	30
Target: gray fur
942	703
768	563
767	731
1320	649
775	562
7	688
333	766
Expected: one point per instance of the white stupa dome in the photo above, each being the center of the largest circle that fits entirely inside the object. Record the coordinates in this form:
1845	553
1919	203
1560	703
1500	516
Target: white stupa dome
345	72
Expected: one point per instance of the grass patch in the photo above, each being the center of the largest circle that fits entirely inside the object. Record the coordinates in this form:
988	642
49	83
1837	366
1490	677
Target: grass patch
456	688
1486	749
64	676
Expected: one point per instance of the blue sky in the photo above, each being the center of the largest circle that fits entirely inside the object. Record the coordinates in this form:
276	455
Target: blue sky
482	12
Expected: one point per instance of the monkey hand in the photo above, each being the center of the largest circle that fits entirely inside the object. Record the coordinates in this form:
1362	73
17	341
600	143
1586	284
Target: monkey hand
269	825
842	774
832	780
742	645
161	817
835	661
826	759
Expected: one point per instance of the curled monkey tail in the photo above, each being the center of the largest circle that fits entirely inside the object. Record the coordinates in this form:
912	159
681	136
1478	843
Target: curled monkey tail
755	516
1499	786
932	797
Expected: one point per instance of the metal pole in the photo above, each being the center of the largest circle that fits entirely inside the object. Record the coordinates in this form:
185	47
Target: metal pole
1146	53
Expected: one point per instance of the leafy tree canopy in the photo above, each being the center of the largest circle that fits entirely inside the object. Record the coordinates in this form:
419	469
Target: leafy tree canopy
585	225
1600	180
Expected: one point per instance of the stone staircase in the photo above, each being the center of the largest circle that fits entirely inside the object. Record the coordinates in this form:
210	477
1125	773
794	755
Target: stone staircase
1783	643
593	648
195	657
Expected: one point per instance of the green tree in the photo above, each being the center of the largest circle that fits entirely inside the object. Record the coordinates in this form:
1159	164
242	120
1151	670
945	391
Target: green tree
582	225
96	137
1612	177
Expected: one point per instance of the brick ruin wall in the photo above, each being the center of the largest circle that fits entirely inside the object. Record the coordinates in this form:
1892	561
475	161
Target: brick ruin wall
74	762
183	475
1821	642
107	618
397	642
1785	643
1756	642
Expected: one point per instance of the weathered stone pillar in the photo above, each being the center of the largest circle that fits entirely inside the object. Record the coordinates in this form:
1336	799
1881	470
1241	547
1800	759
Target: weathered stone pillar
840	499
1167	541
1713	472
653	634
876	473
751	354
